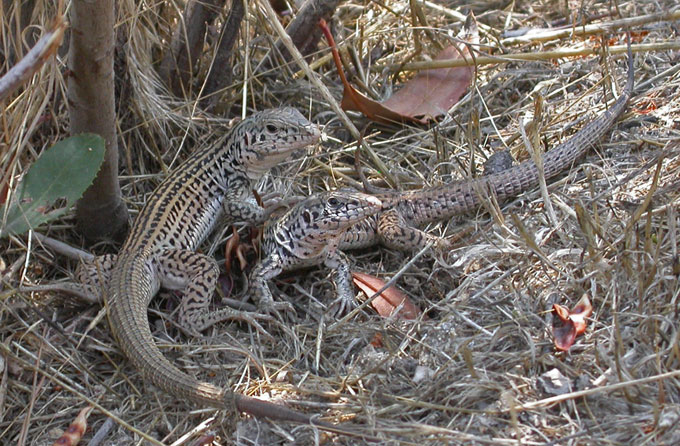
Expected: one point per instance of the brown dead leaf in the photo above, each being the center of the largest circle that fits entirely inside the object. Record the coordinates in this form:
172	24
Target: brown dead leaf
430	94
75	431
389	300
233	248
571	323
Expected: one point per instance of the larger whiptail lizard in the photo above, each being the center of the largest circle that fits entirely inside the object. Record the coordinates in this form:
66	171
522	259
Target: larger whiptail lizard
211	185
396	227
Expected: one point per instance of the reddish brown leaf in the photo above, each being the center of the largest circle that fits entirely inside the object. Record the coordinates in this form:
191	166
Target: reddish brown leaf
570	324
388	300
431	93
75	431
425	97
230	248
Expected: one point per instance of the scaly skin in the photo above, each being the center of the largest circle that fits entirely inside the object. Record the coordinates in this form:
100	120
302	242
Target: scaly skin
307	235
211	185
406	210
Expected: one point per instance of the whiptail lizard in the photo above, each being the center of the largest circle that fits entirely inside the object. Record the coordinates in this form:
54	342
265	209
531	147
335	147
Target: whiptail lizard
309	234
210	186
396	227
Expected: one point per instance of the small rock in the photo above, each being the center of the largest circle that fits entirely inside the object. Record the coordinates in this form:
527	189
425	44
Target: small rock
553	382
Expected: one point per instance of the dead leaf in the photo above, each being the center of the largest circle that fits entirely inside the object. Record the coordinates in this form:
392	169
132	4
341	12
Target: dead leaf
573	323
389	300
233	248
75	431
430	94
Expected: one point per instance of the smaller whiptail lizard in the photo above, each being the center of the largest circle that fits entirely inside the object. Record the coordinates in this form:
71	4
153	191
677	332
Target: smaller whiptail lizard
396	227
211	186
309	234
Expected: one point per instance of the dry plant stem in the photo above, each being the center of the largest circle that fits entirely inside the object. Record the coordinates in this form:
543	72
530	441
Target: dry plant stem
220	73
101	212
304	30
185	49
595	28
581	393
543	55
19	74
52	375
299	59
634	219
18	16
33	60
62	248
102	432
487	30
418	14
538	160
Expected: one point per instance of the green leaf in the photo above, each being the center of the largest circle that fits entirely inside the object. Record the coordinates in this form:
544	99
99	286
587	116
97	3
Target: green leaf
54	182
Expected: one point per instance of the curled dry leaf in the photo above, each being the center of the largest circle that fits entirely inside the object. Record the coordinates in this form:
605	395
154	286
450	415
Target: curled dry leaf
75	430
233	248
389	300
571	323
430	94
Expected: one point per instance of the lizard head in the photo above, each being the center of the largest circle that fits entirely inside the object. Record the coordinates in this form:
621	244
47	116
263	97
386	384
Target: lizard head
265	139
315	225
334	212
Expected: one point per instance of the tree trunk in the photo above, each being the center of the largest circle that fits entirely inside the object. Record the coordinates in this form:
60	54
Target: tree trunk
100	213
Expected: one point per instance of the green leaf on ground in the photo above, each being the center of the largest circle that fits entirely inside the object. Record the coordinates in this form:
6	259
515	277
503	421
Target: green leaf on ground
54	182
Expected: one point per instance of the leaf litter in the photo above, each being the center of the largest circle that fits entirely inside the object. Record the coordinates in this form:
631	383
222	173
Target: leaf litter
467	375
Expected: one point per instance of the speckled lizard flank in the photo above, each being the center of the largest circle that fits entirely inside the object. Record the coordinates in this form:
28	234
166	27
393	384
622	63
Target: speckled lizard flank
212	185
307	235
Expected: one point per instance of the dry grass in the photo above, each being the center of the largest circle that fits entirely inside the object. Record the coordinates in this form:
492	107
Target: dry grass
471	372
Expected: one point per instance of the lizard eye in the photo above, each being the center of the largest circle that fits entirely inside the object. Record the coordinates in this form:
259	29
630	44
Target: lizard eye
271	128
333	202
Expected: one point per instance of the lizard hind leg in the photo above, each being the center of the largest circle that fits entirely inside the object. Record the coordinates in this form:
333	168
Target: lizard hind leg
94	276
196	275
395	232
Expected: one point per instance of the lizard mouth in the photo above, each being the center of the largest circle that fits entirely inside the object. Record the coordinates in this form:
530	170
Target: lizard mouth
310	135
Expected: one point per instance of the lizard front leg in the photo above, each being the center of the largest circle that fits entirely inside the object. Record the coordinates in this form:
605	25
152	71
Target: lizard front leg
258	288
94	276
339	264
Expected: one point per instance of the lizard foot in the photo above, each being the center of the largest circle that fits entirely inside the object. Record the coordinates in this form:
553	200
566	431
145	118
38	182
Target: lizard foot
343	305
199	321
277	309
252	318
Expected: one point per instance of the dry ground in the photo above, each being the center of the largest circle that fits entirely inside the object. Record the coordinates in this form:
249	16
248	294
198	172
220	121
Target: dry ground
469	373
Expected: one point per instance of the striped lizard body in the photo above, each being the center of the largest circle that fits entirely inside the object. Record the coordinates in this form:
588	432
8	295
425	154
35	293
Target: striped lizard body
210	186
404	211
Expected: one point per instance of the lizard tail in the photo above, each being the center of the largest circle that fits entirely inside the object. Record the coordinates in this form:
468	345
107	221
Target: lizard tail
131	289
